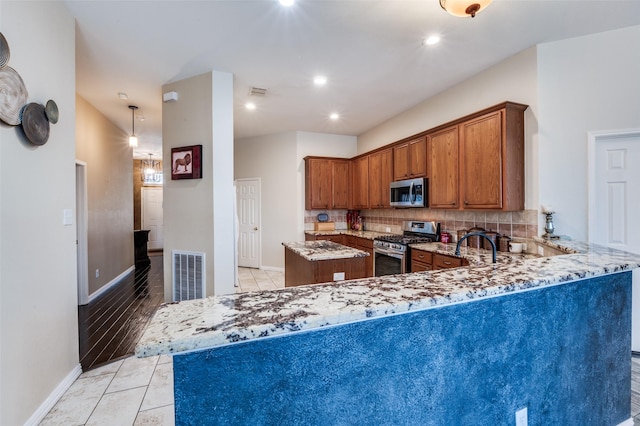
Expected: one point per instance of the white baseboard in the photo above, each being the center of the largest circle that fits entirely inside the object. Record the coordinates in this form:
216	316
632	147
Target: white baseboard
272	268
93	296
628	422
54	396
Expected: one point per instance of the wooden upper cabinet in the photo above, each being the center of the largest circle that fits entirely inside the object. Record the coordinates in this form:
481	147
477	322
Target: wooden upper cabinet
410	159
380	177
360	183
443	169
340	183
326	183
481	162
492	160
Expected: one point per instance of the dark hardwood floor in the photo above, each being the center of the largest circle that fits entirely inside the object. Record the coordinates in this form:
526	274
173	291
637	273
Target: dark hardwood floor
110	326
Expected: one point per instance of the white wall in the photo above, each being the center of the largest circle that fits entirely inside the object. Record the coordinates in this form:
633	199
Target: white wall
190	205
514	79
38	293
278	161
585	84
272	158
224	194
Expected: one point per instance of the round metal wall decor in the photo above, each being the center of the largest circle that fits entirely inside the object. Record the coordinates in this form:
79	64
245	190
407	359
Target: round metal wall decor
51	109
35	124
13	96
4	51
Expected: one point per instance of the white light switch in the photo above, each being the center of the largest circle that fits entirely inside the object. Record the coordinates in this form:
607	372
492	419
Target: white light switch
338	276
67	217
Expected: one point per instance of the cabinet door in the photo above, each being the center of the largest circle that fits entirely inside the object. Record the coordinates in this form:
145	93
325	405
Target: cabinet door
380	177
318	183
340	181
418	158
401	162
366	245
386	177
375	173
481	162
360	184
443	169
419	266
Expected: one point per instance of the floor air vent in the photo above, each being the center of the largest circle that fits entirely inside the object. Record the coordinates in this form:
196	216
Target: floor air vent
188	275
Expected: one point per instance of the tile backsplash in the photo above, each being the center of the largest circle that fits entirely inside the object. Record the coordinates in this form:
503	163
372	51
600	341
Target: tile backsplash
519	225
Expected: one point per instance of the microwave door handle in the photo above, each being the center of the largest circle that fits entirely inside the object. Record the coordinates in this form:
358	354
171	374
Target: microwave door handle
412	197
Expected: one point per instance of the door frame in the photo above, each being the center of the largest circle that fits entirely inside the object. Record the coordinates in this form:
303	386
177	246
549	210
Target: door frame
592	139
237	236
82	231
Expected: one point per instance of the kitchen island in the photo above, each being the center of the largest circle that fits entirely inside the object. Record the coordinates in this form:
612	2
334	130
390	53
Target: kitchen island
461	346
312	262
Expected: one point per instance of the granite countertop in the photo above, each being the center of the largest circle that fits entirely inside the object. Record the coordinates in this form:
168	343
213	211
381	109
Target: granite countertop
323	250
221	320
475	257
369	235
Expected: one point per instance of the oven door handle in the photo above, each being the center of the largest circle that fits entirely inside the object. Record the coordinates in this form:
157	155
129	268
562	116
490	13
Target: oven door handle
388	253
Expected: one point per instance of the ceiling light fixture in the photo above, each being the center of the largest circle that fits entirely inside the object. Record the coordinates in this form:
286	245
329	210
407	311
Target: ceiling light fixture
431	40
133	140
320	80
250	106
334	116
464	8
150	171
287	2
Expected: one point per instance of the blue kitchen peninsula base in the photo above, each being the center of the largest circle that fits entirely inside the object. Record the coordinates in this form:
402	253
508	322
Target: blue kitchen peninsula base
561	351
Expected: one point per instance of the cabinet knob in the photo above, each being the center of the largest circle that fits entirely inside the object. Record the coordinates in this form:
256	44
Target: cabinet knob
453	203
255	228
466	202
446	263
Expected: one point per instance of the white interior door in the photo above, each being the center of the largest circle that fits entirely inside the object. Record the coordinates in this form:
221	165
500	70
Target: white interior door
152	216
248	198
615	203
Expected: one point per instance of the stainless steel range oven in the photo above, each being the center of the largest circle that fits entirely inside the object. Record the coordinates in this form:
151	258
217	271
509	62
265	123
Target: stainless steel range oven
391	253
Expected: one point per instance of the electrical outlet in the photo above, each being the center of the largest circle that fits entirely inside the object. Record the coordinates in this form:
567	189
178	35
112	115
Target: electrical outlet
338	276
387	229
521	417
97	273
541	250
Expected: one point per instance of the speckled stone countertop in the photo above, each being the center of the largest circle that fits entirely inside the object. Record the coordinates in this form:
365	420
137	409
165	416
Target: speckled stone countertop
475	257
323	250
221	320
369	235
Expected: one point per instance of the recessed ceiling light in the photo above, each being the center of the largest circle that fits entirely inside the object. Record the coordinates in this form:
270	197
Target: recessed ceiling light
250	106
431	40
334	116
122	95
320	80
287	2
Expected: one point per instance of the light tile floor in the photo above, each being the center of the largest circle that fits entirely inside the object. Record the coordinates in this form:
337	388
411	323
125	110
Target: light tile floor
135	391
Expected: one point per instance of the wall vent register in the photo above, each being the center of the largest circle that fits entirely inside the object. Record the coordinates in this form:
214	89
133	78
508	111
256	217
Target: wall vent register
188	275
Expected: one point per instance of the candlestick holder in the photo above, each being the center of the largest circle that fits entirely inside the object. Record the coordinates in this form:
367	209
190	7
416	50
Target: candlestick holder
549	228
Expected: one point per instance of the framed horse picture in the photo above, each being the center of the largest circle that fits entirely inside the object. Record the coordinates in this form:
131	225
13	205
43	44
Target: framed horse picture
186	162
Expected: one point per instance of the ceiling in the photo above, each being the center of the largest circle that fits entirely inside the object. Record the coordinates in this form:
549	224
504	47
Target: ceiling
370	51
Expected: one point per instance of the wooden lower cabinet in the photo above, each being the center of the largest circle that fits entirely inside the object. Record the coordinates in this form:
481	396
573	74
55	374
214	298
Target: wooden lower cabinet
421	260
441	261
299	271
334	238
365	244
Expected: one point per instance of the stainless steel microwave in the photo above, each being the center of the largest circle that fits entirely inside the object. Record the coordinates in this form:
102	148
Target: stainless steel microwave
409	193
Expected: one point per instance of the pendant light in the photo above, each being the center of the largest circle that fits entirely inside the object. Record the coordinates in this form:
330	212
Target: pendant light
133	140
464	8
